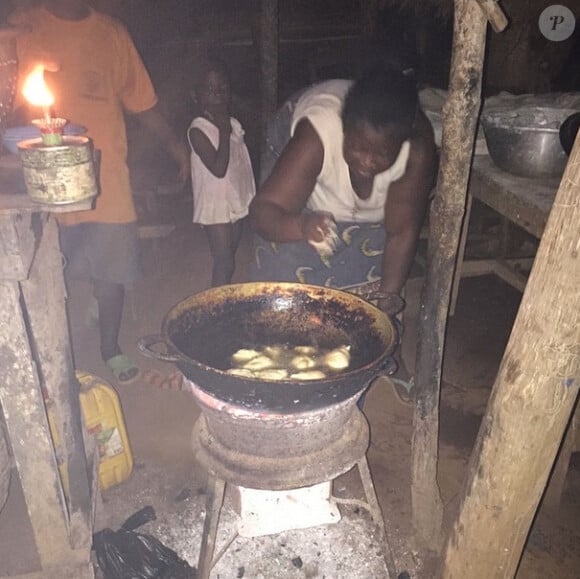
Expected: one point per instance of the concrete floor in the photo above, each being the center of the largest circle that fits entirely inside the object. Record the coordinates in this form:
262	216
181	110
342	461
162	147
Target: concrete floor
159	424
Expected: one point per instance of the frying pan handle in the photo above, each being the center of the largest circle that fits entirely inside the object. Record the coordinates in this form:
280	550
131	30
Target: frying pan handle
145	346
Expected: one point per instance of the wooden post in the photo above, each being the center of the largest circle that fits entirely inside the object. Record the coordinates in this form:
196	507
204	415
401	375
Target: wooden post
460	116
62	534
268	34
35	357
530	405
29	433
494	14
44	297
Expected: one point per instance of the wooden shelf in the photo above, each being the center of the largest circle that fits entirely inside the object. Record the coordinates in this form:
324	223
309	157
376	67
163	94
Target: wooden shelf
36	356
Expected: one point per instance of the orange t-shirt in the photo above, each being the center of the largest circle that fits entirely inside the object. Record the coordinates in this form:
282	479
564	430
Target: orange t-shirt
100	74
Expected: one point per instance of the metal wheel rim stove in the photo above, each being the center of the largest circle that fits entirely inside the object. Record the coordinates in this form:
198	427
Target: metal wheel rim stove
303	454
272	451
264	453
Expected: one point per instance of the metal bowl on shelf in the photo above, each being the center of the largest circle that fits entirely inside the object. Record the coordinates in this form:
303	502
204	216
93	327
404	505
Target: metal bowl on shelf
526	141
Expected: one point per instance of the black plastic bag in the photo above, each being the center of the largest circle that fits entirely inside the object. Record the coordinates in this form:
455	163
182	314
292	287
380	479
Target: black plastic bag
126	554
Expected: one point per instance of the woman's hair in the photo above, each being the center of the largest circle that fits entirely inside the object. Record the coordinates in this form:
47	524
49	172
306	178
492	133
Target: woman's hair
381	97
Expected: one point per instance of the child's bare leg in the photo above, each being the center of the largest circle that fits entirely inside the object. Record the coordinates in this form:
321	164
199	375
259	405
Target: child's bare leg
237	229
222	245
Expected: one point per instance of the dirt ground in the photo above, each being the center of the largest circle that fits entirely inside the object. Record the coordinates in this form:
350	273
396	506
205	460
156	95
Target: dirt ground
159	423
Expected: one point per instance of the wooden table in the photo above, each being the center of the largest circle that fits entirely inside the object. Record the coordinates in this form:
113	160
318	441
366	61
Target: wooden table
521	201
526	203
36	362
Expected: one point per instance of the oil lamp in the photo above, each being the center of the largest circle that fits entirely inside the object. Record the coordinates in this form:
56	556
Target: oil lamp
37	94
57	169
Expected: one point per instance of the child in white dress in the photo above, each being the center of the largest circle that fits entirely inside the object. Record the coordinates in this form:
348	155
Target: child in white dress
221	170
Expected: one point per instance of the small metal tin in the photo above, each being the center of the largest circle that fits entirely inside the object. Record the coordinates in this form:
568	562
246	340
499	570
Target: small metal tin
60	174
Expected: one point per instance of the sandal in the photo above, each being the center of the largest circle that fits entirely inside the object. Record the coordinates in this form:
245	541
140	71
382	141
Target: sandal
123	369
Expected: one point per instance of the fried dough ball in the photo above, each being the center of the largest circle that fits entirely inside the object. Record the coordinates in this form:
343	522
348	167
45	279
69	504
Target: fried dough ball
260	362
243	355
308	375
302	363
272	374
338	359
242	372
306	350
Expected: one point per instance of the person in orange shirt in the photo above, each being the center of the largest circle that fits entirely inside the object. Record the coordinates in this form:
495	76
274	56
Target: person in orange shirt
97	75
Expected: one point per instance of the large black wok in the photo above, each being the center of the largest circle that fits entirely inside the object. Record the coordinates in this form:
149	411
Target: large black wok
202	332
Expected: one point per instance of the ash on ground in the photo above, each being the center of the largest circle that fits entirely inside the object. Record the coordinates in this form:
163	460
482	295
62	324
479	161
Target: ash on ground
348	549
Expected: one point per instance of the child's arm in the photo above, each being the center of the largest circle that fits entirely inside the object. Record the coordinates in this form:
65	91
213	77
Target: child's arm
216	160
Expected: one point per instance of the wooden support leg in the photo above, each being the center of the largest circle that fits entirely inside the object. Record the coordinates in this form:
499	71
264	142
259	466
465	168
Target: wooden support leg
35	353
44	297
460	256
377	515
215	499
533	398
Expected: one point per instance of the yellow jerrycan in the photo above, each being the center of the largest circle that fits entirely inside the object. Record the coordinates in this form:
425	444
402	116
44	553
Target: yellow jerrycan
103	419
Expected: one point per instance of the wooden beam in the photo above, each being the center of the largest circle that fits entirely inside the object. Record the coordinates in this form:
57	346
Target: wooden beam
494	13
34	355
44	297
17	246
268	34
460	114
530	404
30	437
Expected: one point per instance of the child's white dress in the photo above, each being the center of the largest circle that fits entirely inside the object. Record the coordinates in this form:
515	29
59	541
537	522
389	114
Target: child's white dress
224	200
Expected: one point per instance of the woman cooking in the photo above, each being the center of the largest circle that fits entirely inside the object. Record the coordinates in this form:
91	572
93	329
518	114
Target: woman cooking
345	201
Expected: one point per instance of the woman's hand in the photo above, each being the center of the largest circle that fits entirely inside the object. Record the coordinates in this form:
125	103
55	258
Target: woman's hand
317	226
390	303
321	233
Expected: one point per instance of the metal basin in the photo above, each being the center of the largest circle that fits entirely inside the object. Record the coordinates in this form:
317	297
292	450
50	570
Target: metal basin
526	142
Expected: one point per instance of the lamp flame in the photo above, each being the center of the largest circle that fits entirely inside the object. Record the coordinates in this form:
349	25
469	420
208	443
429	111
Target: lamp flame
37	93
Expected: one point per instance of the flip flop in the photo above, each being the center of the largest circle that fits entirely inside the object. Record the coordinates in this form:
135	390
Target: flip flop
123	369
